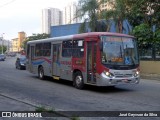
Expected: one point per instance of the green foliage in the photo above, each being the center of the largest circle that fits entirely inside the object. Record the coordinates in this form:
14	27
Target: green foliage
35	37
118	13
82	28
135	11
144	35
143	11
148	40
75	118
144	16
157	36
4	49
91	9
43	109
88	11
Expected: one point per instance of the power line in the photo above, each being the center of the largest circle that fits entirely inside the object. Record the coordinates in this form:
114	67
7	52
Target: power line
7	3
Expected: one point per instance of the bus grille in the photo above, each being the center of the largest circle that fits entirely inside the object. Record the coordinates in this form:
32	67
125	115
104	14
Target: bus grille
123	75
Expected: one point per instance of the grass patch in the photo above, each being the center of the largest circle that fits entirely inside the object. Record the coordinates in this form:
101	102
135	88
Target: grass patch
44	109
75	118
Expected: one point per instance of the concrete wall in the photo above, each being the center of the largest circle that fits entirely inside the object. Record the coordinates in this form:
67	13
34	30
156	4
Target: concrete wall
63	30
150	67
71	29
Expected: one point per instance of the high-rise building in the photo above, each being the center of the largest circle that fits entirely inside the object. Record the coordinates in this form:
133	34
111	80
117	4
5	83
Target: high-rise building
69	14
50	17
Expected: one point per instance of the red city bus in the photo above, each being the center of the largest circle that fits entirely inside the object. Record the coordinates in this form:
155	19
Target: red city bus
95	58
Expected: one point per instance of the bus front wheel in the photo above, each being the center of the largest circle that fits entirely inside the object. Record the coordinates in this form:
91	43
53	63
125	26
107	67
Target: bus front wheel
78	80
41	73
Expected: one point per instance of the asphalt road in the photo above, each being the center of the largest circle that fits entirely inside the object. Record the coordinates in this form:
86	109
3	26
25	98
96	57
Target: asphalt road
61	95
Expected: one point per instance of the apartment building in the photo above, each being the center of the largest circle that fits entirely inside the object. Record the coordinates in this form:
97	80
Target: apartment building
69	14
17	42
50	17
14	47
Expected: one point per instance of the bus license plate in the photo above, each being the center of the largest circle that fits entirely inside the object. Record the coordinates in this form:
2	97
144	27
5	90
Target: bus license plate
125	80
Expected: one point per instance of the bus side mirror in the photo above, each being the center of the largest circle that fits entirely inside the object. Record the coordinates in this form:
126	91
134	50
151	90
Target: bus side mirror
101	45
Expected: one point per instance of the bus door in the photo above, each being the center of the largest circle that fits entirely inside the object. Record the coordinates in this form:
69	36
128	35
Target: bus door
31	58
91	61
56	61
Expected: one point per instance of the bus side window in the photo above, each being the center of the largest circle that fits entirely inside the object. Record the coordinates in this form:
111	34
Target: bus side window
39	49
47	49
78	48
67	48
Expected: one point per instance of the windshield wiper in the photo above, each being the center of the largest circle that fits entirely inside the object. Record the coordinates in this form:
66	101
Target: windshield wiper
133	60
121	51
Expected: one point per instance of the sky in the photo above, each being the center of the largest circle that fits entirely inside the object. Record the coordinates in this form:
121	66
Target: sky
24	15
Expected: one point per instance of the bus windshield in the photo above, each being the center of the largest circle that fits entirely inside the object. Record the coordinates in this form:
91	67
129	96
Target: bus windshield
119	51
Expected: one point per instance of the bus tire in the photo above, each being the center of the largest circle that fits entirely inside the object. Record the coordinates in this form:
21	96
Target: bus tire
41	73
78	80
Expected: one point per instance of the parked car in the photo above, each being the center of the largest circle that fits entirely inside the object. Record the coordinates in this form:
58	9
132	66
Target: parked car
21	62
11	54
2	57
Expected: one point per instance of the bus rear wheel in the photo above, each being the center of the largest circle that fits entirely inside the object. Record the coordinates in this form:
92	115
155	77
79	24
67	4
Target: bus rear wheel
41	73
78	80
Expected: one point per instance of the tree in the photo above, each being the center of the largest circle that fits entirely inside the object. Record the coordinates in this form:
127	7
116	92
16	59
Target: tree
147	39
144	35
118	13
88	10
144	17
144	11
35	37
4	49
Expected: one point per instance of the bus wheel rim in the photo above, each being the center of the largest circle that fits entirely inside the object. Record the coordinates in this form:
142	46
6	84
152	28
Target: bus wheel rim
41	73
78	80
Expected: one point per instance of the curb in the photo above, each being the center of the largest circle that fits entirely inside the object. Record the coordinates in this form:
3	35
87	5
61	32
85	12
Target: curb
35	105
150	76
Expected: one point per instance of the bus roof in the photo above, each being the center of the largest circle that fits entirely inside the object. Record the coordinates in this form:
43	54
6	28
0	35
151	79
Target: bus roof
100	34
76	36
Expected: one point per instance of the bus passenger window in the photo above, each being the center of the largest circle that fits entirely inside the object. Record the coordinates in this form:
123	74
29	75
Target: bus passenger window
39	49
67	48
47	49
78	48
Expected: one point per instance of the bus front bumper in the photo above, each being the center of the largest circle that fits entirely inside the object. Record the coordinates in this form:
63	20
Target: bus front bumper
106	81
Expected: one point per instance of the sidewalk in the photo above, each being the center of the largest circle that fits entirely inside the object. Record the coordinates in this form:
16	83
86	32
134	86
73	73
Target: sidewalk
150	76
9	104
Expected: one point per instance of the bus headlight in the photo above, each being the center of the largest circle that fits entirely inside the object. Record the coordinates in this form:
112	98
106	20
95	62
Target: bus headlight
108	74
136	74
